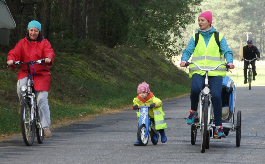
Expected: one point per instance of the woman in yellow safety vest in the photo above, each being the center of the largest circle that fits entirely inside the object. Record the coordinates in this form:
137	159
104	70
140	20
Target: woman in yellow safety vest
207	54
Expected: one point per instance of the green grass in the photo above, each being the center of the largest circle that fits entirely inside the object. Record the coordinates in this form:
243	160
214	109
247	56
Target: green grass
87	84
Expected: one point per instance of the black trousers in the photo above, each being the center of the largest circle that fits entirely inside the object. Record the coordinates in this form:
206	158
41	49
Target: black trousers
253	64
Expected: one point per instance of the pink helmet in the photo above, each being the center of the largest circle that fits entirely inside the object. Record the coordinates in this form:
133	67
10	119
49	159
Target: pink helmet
143	87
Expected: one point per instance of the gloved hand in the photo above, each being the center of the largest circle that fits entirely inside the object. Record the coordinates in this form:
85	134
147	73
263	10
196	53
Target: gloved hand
182	64
153	105
232	66
135	107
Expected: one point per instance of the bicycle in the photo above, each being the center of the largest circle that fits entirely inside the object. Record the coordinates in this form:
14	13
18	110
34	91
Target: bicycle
206	116
29	112
250	73
145	127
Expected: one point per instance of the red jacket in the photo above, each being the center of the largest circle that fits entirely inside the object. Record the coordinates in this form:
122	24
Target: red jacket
26	51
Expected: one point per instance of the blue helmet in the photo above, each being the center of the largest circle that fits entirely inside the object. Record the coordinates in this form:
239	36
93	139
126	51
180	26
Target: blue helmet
249	41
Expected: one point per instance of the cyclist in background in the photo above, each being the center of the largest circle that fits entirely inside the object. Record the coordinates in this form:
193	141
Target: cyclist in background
250	52
34	47
207	55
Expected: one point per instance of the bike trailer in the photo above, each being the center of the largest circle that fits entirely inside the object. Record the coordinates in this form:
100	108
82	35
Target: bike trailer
228	98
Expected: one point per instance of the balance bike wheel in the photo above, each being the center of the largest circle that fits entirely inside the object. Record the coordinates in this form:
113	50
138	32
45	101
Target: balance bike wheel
140	134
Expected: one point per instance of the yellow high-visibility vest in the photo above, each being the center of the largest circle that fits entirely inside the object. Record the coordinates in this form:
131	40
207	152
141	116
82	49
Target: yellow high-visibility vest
207	57
156	113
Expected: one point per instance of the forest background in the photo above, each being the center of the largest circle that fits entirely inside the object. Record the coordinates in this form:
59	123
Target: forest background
105	48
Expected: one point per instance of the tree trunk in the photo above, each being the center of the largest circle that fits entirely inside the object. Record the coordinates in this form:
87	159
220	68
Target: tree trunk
43	15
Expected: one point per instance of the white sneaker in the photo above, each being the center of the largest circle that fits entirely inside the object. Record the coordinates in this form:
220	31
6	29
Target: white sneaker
47	133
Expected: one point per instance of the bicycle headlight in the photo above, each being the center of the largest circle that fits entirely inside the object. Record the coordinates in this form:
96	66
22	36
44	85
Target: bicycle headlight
206	90
23	88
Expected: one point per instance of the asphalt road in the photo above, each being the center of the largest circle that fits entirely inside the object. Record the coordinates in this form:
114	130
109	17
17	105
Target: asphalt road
109	139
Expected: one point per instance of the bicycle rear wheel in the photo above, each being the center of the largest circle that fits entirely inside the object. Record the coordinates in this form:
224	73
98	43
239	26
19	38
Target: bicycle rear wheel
27	124
154	137
238	129
204	123
249	79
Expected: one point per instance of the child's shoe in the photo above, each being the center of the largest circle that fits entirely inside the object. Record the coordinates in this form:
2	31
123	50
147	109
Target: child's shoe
156	136
136	143
219	132
193	115
163	137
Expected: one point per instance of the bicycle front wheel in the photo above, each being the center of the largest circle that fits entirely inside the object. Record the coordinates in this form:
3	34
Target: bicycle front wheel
249	79
141	135
204	123
27	124
39	129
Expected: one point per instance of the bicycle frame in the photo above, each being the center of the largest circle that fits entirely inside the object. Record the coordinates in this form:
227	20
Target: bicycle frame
29	122
28	90
206	93
206	116
145	119
250	73
146	127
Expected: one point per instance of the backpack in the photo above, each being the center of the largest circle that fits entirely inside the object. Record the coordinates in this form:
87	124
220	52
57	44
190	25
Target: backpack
216	36
228	87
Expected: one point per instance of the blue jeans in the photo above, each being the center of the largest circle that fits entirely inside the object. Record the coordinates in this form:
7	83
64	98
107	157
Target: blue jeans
215	84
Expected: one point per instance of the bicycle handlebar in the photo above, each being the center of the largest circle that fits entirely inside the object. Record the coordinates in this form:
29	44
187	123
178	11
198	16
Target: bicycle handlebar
40	61
203	69
250	60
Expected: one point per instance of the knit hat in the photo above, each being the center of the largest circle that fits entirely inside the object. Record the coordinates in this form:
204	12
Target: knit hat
143	87
208	16
34	23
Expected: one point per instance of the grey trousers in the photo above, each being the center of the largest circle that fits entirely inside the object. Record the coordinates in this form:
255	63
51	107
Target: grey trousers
42	102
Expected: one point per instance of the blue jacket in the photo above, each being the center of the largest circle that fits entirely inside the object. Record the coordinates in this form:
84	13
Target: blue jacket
207	35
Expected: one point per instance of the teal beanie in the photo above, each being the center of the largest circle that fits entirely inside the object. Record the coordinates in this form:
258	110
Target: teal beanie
34	23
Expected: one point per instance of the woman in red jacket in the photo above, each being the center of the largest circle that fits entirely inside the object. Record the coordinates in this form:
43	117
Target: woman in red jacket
31	48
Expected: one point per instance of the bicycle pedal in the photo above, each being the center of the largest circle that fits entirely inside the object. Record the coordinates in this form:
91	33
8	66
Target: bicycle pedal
196	120
217	137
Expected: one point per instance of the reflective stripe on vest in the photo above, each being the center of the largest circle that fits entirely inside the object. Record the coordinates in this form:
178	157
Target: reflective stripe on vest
207	57
159	122
157	112
159	119
196	68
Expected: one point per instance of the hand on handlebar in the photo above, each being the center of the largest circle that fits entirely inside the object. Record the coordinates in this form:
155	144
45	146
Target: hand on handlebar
135	107
47	60
182	64
153	105
10	62
231	66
